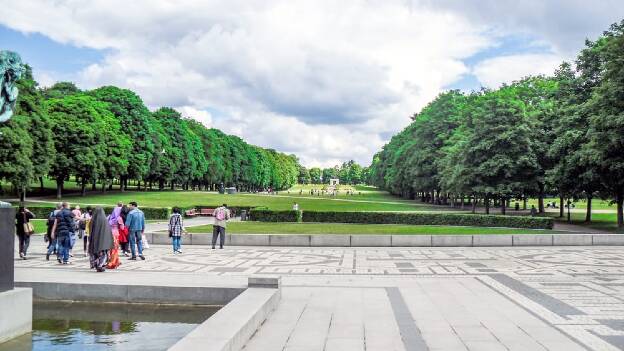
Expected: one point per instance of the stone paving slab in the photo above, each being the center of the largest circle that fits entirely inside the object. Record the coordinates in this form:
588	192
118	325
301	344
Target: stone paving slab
510	298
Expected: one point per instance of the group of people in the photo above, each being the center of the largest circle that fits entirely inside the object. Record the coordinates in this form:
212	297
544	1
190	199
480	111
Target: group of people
105	237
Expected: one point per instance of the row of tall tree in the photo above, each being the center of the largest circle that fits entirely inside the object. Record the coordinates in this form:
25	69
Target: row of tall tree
348	173
108	134
561	134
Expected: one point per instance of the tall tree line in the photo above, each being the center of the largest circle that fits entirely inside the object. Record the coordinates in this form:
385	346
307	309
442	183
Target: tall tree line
108	135
561	134
349	172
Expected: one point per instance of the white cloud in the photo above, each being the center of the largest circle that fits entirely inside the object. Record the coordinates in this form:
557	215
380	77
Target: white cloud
202	116
493	72
321	79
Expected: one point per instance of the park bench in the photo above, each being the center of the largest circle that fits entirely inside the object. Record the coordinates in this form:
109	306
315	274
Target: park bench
206	211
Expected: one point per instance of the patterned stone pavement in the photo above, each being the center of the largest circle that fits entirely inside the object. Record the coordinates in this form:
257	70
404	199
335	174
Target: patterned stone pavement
576	293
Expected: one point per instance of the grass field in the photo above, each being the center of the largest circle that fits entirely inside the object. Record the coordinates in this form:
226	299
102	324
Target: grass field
336	228
597	204
372	201
601	221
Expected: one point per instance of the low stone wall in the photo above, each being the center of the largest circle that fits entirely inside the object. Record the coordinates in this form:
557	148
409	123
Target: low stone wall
179	295
232	326
365	240
15	313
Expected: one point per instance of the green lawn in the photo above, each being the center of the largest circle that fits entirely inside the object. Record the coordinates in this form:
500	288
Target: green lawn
336	228
597	204
601	221
375	201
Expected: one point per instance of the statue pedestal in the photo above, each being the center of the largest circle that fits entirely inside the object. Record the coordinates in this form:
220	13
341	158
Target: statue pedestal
15	303
16	317
7	246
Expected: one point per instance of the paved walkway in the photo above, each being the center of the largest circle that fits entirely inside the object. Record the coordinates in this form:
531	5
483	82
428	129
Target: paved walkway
520	298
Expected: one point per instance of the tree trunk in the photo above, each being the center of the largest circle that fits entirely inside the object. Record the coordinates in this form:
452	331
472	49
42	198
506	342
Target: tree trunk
22	194
561	207
474	203
540	199
524	202
59	188
620	213
83	187
103	186
41	184
568	203
94	185
588	215
486	202
121	184
503	206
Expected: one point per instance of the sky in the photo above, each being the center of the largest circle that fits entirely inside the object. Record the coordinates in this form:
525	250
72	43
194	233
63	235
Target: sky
328	81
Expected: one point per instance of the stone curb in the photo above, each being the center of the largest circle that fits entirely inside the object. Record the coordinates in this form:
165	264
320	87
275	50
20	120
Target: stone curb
232	326
366	240
179	295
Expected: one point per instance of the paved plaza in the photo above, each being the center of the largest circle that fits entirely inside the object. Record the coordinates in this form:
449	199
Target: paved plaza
556	298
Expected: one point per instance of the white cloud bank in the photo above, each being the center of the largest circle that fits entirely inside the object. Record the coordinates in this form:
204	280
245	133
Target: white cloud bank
321	79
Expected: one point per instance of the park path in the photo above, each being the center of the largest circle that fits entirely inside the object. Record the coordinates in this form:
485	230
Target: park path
577	229
468	299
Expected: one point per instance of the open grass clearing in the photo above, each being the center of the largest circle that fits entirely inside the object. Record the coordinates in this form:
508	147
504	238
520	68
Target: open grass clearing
282	201
339	228
601	221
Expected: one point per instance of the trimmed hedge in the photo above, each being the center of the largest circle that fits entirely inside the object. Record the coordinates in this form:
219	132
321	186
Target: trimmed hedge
275	216
475	220
459	219
42	212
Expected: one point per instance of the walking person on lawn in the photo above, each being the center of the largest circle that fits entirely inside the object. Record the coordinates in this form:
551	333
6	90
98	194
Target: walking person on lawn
62	230
221	214
176	228
23	229
135	222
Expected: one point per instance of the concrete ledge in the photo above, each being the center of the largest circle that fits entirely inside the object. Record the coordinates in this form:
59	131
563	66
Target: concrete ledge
411	240
371	240
249	240
533	240
16	318
608	239
201	239
365	240
492	240
330	240
451	240
289	240
233	325
264	282
160	239
132	293
572	240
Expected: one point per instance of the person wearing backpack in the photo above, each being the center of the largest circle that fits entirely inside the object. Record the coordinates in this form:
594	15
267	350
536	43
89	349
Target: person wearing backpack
52	242
221	214
63	229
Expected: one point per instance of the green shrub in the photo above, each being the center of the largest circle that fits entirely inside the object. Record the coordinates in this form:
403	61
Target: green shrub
42	212
275	216
429	219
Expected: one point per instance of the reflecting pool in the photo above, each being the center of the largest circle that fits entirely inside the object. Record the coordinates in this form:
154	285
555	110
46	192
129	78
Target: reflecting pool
88	326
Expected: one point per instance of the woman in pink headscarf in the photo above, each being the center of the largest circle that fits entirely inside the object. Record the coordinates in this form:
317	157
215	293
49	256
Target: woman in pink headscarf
115	222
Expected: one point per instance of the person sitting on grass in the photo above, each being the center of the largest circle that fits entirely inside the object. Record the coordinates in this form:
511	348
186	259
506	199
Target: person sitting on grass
295	207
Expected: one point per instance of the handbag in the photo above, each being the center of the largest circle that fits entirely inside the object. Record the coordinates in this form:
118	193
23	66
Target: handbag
29	229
